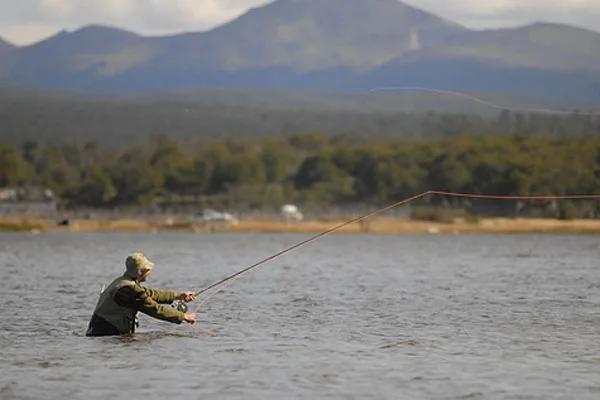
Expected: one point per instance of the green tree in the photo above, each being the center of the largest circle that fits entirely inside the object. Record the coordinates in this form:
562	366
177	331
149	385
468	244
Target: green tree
30	150
236	170
97	191
11	165
313	170
136	182
308	141
274	163
448	173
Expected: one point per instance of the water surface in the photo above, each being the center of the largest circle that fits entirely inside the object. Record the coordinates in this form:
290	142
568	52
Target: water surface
347	317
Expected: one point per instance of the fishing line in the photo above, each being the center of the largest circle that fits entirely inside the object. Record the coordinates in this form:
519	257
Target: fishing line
232	278
484	102
225	282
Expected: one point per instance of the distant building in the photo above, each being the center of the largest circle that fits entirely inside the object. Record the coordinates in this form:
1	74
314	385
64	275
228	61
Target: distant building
8	195
26	200
210	215
290	212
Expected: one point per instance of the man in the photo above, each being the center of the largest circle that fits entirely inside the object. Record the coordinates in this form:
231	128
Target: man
119	303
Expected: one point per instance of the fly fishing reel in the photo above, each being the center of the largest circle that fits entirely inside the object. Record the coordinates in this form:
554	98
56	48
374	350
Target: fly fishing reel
180	306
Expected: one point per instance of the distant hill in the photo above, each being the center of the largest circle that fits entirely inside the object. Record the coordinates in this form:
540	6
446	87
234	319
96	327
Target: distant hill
116	119
309	35
542	45
5	47
73	60
295	44
328	46
549	60
265	47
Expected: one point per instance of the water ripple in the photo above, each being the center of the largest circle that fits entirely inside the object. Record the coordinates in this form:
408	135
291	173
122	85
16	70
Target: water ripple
351	316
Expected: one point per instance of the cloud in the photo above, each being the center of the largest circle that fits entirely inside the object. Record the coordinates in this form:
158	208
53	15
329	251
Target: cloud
144	16
181	15
76	11
25	21
55	8
25	34
479	14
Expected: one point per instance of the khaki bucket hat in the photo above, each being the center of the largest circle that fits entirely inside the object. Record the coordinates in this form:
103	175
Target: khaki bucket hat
137	264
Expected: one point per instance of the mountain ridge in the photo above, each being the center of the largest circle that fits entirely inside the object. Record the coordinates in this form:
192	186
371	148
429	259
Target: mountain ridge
6	46
335	45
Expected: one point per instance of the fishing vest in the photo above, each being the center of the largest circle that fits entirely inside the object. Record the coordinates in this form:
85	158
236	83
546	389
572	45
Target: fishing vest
124	319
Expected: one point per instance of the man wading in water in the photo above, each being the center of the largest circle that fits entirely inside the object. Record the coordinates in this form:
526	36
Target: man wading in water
118	306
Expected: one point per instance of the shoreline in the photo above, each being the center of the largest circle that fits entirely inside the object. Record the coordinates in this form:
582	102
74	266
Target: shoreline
379	225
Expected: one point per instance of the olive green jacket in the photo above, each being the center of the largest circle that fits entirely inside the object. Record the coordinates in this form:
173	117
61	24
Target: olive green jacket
149	301
118	306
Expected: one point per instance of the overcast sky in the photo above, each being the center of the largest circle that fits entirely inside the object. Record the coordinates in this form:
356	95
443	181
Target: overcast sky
27	21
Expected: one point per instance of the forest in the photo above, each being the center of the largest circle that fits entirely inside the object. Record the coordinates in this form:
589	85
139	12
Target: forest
75	119
314	170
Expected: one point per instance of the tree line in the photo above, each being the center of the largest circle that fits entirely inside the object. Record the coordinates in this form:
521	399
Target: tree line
311	169
120	122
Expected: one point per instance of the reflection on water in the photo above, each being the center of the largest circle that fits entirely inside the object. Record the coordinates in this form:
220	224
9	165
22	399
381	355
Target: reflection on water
350	316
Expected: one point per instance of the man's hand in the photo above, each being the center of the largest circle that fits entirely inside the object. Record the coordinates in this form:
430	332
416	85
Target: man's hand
185	296
190	318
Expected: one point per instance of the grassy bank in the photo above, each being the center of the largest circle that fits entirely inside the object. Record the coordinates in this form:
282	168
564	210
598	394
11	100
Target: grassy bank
21	226
405	226
379	225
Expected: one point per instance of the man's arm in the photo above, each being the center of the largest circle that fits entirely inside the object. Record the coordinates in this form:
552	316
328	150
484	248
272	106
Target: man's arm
138	298
167	297
161	296
152	308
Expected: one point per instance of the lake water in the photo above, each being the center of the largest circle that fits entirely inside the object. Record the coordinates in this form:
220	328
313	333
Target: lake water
347	317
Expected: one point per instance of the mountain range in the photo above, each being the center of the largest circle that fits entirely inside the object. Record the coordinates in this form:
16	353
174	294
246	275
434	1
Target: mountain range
318	45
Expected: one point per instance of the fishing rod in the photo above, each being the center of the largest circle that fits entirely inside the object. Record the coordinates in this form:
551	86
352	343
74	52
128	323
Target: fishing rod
181	306
223	283
226	279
